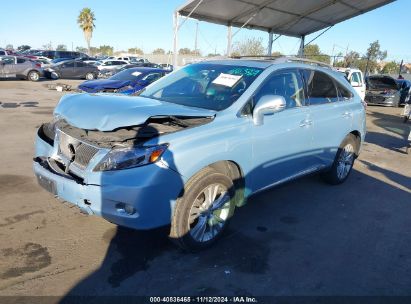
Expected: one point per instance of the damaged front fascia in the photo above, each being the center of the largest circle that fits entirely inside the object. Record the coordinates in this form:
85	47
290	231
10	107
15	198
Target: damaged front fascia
128	136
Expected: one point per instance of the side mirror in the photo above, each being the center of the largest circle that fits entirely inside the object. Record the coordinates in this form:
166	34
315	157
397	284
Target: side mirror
355	84
268	104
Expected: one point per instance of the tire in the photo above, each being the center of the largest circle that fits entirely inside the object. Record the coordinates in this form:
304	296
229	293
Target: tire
33	76
343	162
90	76
195	226
406	117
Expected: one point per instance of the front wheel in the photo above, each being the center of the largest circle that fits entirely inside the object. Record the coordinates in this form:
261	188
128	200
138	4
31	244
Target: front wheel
33	76
90	76
343	162
203	211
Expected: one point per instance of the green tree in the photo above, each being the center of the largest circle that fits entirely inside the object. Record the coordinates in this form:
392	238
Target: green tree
136	51
248	47
374	54
47	46
106	50
9	47
81	49
23	47
61	47
184	51
86	22
312	51
93	51
159	51
392	67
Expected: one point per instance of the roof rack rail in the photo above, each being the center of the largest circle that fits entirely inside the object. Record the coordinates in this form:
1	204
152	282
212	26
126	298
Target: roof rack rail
282	59
304	60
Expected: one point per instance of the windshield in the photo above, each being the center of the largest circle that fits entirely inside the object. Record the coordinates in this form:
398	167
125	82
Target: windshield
129	74
204	85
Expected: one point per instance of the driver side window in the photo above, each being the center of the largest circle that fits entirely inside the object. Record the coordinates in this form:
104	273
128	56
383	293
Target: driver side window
286	83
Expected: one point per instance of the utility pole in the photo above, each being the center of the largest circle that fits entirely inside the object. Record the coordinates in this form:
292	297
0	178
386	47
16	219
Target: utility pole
195	41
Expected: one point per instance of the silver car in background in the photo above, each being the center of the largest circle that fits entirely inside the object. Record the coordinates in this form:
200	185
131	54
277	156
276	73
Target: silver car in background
20	67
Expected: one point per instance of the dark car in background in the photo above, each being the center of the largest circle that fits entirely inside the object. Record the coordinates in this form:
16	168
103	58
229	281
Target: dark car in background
127	81
60	54
382	90
405	90
71	69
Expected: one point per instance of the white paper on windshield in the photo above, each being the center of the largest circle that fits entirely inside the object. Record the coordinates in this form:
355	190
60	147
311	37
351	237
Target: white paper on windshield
227	80
136	73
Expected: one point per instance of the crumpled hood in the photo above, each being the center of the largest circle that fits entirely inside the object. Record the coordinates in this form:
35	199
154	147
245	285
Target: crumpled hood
108	112
101	84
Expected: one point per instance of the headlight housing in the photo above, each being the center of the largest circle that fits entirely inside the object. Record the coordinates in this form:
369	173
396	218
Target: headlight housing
125	158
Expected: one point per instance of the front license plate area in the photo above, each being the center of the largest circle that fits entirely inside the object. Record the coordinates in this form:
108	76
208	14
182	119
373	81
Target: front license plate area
47	184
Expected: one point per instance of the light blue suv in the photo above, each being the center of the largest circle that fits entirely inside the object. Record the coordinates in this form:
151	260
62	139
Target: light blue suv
197	143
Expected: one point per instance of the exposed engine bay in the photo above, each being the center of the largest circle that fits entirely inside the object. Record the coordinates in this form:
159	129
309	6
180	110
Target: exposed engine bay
126	136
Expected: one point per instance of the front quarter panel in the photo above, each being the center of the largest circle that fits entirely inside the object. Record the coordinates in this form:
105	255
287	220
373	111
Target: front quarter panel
226	138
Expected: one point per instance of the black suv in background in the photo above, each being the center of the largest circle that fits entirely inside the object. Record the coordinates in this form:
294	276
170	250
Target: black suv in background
61	54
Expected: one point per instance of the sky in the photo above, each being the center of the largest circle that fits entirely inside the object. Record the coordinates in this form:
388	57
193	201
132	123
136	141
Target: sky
148	24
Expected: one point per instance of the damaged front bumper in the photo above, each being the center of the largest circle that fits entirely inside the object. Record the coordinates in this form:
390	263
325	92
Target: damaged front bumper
139	198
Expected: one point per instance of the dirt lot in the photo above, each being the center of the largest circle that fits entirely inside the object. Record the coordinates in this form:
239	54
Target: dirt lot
303	238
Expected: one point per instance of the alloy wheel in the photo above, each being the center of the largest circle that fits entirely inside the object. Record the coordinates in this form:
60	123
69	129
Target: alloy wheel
345	161
209	213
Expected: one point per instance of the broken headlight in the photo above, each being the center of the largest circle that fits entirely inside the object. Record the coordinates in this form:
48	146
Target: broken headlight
125	158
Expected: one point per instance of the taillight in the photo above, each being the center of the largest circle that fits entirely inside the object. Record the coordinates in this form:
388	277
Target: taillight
38	65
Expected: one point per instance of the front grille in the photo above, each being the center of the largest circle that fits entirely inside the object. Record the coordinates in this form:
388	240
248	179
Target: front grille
73	149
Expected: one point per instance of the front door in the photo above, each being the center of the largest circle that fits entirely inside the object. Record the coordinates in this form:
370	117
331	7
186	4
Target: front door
282	145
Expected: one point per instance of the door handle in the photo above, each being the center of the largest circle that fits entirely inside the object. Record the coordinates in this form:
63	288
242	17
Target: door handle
347	115
306	123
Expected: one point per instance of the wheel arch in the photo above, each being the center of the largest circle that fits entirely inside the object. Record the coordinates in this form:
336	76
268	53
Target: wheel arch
358	137
234	171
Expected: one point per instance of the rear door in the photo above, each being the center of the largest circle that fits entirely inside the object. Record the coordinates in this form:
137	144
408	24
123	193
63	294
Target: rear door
80	69
67	69
331	115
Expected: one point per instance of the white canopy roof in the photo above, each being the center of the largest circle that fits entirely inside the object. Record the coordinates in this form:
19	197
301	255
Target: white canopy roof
288	17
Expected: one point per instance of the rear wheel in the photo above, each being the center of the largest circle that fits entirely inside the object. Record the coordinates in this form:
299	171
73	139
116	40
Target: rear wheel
33	76
202	214
343	162
90	76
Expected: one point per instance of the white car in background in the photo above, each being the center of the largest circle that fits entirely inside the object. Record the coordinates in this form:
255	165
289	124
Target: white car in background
111	64
356	79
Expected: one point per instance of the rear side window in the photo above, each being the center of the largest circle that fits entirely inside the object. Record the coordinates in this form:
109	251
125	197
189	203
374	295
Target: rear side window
320	87
68	65
21	60
3	53
80	64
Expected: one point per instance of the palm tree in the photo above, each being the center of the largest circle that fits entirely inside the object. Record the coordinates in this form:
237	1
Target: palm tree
86	22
